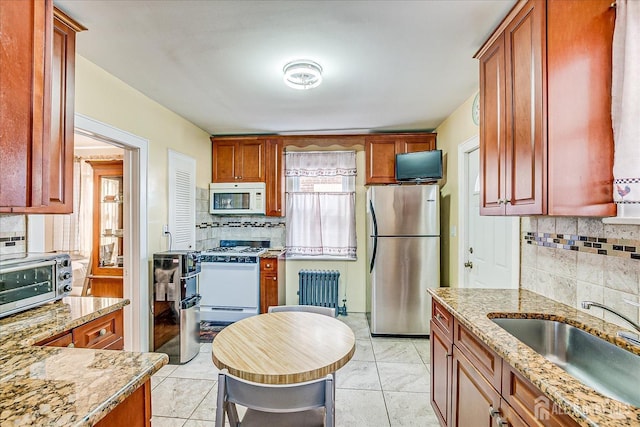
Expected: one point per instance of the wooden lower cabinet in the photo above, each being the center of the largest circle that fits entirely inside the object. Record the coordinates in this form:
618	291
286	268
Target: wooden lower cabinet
475	402
472	386
134	411
272	276
104	333
441	358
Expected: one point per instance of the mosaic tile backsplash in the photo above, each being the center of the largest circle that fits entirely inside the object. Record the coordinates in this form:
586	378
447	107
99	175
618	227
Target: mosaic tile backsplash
13	234
576	259
210	229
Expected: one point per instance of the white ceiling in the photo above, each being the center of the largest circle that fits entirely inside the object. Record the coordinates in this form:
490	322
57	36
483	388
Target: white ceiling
388	65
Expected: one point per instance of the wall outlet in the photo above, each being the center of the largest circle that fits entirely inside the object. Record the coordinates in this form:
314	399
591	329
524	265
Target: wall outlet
165	229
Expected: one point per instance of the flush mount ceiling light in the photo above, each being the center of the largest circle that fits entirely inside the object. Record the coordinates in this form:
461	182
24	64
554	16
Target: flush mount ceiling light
302	74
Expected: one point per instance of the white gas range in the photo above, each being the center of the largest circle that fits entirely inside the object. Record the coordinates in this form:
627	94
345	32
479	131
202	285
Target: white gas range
230	280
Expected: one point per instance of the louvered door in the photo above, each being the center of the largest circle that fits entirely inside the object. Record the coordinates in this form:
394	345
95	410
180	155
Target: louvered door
182	201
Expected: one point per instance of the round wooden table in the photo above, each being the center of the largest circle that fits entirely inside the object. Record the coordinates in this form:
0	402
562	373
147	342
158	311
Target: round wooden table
283	348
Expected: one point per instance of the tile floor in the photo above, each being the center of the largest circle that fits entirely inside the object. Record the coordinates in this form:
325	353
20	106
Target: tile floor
386	383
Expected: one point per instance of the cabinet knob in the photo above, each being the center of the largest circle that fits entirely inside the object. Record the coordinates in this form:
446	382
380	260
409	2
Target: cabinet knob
275	278
500	422
103	332
439	317
493	412
268	265
71	345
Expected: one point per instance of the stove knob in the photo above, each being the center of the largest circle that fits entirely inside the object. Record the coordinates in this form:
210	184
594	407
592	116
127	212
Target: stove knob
67	288
65	276
65	262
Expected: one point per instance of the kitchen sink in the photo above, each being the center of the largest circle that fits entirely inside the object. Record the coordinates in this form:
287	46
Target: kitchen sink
606	368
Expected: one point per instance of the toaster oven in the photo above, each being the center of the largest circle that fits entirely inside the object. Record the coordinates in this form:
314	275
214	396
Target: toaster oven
29	280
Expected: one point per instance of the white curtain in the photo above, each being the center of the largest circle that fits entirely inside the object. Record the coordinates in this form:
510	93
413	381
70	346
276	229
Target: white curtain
72	233
625	109
321	217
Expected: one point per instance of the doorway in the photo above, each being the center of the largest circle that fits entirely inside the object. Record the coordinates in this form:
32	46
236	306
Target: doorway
136	262
489	249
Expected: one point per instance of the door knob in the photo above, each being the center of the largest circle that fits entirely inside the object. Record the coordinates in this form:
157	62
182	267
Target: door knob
468	264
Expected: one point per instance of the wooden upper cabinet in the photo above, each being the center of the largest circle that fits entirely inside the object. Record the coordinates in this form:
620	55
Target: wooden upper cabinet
546	142
381	150
274	170
579	52
25	103
493	131
37	106
238	159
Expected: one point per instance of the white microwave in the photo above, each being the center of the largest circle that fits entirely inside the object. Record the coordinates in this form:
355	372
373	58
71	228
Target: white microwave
237	198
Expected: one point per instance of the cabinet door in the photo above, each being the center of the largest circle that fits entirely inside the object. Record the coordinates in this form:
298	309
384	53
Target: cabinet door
441	353
381	160
426	143
224	164
473	398
274	171
25	103
62	107
250	158
579	130
492	129
526	159
268	283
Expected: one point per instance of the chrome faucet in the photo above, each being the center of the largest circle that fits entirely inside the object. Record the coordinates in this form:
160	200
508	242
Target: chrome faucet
627	336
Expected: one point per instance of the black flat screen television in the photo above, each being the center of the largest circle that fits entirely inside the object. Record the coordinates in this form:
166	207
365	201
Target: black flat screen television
419	166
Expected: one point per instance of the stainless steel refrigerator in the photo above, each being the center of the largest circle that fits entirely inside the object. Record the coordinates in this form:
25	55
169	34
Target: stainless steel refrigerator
403	248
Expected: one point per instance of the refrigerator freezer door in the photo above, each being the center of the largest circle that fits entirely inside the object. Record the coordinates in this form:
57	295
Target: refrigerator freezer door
405	268
404	210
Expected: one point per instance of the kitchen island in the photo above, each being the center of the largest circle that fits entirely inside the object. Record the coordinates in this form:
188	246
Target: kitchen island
42	385
511	364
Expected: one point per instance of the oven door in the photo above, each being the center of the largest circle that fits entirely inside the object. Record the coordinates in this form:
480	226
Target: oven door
23	287
230	291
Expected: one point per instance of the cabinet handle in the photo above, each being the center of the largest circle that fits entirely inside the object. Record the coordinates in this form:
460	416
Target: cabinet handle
493	412
507	201
71	345
449	355
500	422
103	332
439	317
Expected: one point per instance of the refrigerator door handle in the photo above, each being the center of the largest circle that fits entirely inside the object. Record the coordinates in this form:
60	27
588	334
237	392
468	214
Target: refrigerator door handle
375	236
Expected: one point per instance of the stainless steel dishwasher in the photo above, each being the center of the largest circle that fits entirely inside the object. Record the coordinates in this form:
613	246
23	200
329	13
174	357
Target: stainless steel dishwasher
176	305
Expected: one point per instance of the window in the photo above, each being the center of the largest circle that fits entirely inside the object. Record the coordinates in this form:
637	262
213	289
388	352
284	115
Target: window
321	204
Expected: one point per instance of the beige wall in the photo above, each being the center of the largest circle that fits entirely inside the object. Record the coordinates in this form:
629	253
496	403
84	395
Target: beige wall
103	97
456	129
352	273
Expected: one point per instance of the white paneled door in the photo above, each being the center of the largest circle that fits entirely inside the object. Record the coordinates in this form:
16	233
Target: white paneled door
182	200
491	242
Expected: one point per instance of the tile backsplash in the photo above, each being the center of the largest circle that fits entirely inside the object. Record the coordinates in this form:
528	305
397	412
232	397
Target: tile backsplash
575	259
210	229
13	234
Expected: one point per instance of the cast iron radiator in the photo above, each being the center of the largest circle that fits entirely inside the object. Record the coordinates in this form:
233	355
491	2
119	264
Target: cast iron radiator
318	287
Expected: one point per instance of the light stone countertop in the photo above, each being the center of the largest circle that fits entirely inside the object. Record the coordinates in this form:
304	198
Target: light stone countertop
65	386
273	253
474	307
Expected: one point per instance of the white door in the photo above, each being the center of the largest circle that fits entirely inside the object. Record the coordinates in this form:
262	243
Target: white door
491	243
182	200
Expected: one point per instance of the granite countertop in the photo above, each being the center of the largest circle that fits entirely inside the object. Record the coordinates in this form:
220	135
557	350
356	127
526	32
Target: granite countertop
273	253
474	307
65	386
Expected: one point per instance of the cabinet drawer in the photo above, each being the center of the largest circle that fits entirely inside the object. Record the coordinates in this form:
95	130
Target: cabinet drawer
100	333
483	358
63	340
528	402
442	318
269	265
